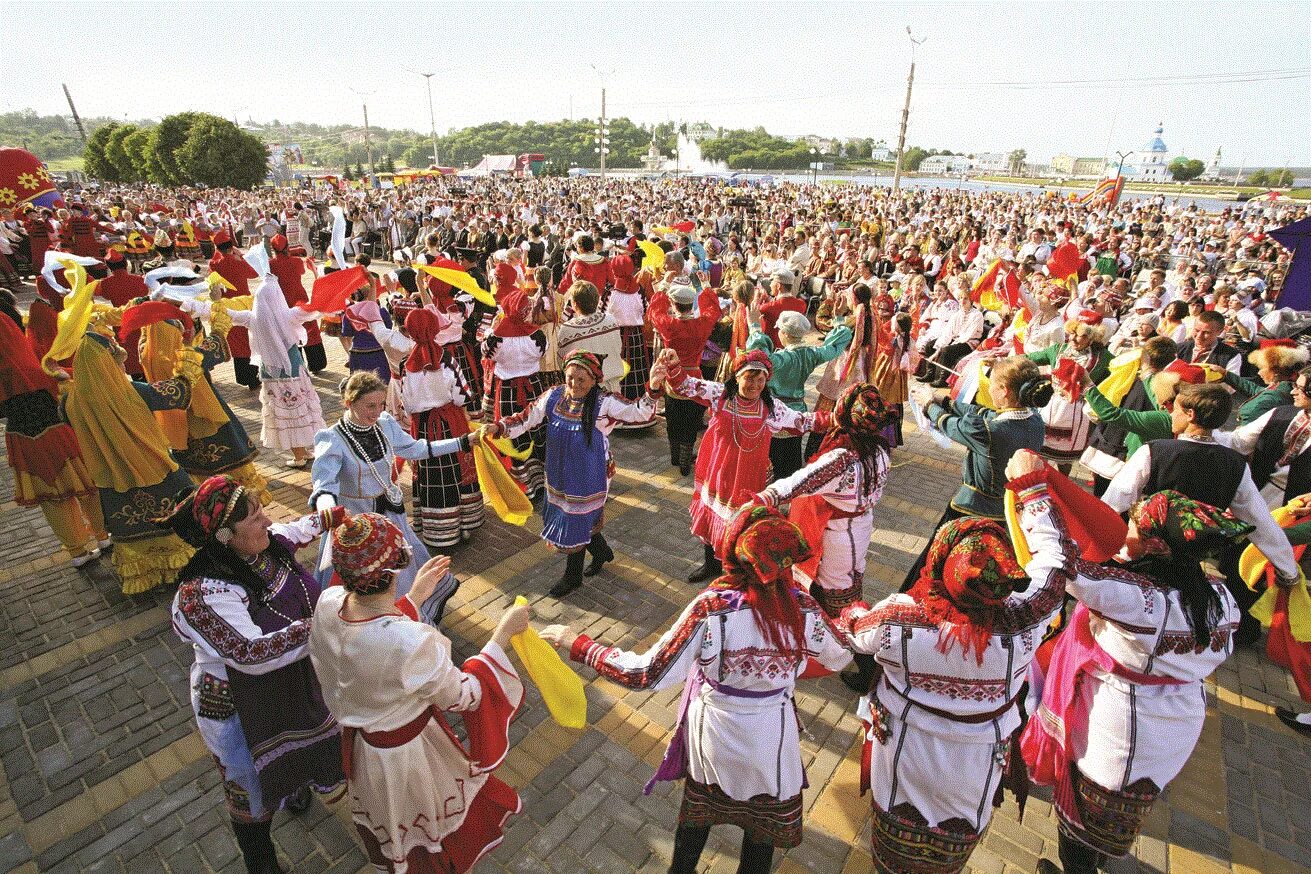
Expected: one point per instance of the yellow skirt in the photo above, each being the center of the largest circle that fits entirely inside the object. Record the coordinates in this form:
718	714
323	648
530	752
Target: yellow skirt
74	480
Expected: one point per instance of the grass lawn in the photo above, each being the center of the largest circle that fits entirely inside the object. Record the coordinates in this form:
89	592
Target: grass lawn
62	165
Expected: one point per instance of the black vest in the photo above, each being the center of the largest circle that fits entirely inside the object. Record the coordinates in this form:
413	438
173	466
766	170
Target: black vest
1110	438
1206	472
1270	448
1220	356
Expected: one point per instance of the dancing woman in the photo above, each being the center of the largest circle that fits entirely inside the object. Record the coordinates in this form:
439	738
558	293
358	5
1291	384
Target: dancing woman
739	647
733	463
579	417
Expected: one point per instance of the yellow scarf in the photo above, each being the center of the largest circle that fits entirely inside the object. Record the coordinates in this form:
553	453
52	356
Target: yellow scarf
122	444
161	343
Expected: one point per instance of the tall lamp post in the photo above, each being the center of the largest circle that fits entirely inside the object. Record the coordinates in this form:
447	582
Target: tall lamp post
905	111
814	166
1119	169
368	140
602	140
432	119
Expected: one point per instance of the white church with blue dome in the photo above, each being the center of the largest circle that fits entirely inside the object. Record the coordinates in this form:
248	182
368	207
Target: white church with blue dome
1151	163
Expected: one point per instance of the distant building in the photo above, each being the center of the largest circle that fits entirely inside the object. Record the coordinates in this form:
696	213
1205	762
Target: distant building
1151	163
700	131
1068	165
653	161
941	165
881	152
992	162
1213	168
826	145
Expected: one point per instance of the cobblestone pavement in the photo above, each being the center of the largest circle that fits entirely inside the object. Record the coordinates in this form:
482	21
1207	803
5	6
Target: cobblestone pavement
103	770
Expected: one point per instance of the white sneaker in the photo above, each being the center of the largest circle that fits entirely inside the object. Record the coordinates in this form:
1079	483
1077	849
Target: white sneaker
80	560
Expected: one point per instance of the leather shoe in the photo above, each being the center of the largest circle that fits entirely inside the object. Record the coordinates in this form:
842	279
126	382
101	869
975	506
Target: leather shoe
564	587
1289	718
705	572
855	681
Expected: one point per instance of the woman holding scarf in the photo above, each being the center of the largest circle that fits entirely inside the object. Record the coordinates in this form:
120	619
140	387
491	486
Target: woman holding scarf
733	463
739	647
832	498
245	605
128	456
389	679
1122	701
579	417
512	359
448	504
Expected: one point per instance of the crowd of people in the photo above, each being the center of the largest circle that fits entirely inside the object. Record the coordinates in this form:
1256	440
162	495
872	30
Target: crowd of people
1055	632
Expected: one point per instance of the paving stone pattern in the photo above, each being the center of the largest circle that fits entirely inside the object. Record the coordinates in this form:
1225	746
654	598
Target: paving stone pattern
101	768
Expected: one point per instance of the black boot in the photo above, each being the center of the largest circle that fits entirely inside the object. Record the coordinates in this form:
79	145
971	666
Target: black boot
689	842
601	553
673	453
300	802
710	568
685	459
257	847
573	575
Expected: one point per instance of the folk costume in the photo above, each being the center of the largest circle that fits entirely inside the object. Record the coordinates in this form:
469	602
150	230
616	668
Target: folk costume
128	457
512	362
353	467
257	702
43	450
598	334
832	498
734	460
739	648
234	269
457	342
627	306
365	352
290	271
1122	702
578	464
448	504
685	332
206	438
421	799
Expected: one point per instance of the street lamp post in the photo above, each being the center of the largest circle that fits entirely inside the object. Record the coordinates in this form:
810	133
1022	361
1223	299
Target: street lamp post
368	140
602	140
1119	169
432	119
814	166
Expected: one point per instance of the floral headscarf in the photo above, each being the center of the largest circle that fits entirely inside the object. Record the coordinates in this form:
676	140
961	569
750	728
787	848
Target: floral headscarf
1170	522
760	549
968	573
589	361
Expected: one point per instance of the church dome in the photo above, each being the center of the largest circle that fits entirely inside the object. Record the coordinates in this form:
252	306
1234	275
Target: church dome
1156	144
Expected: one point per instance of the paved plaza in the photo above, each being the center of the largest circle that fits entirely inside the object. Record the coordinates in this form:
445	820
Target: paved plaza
103	769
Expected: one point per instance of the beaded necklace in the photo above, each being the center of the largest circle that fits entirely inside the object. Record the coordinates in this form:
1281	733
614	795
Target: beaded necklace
737	426
348	430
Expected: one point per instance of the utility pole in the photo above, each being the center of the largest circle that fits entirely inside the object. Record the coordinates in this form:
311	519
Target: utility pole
602	130
77	119
905	111
431	117
368	140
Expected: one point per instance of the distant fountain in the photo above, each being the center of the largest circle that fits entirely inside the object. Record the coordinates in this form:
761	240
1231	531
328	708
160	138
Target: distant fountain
691	161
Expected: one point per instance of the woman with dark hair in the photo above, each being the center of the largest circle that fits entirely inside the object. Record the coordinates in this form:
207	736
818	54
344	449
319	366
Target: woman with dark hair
1122	700
579	417
832	498
245	605
733	464
739	647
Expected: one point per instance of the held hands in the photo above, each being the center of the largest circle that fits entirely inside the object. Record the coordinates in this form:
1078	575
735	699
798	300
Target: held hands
513	621
668	358
559	636
1025	461
433	572
659	373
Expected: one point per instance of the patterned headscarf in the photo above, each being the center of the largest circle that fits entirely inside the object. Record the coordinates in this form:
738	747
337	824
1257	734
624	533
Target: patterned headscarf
760	549
753	360
589	361
1170	523
366	549
209	513
860	409
969	571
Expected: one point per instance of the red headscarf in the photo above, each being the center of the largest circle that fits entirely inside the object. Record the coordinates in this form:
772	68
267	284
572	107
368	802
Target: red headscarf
423	325
513	322
20	372
760	549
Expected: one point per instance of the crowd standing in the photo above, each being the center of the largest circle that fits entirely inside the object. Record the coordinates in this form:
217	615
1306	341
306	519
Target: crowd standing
1140	344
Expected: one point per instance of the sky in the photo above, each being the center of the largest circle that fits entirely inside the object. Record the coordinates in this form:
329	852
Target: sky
1081	78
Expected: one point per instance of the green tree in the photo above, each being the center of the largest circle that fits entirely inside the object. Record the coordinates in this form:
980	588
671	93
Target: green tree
1015	161
95	163
136	146
1279	178
219	154
1260	177
162	164
348	174
913	157
1182	169
124	164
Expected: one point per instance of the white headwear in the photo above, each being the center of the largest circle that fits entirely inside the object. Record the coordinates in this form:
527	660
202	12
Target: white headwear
273	328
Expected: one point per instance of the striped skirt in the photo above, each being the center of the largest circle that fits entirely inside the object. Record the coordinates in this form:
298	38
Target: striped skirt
448	506
764	819
511	396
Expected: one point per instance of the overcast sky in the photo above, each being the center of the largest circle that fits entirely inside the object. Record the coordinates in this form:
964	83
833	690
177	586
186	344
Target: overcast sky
1082	78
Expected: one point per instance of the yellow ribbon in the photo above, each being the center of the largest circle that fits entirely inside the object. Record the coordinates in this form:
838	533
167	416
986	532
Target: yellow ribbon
461	280
561	688
73	319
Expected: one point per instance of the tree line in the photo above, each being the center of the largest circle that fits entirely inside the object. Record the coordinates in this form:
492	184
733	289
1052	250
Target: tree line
190	148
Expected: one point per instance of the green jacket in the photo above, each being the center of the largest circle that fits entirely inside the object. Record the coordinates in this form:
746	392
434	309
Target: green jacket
1142	426
1263	398
1101	360
793	366
991	438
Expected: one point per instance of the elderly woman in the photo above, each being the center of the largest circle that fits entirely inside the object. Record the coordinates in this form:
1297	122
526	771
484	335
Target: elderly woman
1122	702
579	417
734	460
244	604
388	679
739	648
1277	363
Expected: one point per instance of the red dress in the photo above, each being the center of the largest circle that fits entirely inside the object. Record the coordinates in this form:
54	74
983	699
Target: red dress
593	268
239	273
289	271
733	463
